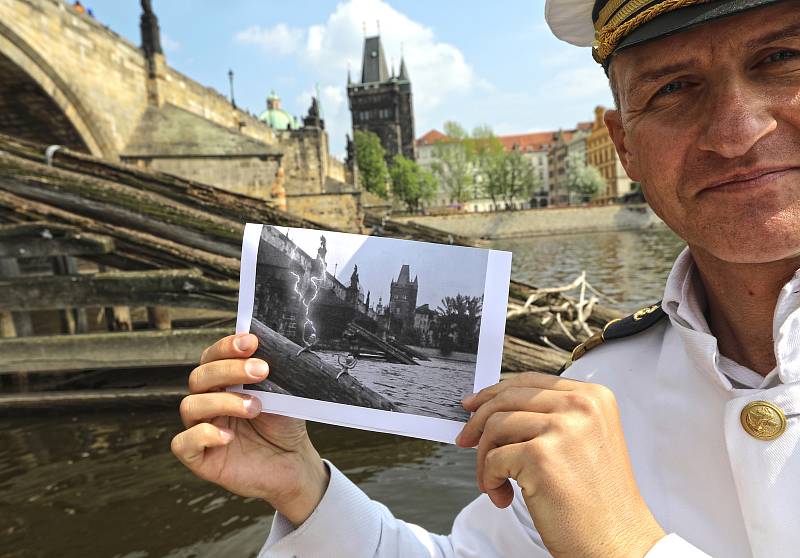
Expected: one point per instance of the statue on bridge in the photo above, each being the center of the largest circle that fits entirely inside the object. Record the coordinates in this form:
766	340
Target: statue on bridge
349	363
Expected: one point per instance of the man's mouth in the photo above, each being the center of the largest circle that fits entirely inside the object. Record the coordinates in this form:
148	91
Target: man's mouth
749	179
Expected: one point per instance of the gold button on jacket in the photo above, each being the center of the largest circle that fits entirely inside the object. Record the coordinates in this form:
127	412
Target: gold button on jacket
763	420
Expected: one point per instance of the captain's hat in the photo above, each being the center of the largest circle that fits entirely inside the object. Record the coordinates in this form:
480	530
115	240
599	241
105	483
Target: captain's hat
609	26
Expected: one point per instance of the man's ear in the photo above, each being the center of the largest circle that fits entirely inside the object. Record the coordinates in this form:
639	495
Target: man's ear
613	120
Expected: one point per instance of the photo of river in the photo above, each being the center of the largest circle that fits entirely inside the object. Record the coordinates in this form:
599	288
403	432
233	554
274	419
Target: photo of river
433	390
106	484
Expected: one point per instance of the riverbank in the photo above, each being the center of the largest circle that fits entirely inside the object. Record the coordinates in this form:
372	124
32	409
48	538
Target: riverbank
542	222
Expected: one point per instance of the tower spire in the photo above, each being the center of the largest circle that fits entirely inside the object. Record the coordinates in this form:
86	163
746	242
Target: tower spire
403	70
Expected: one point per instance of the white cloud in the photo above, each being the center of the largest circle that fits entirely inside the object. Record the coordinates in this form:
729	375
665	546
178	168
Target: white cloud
438	70
280	38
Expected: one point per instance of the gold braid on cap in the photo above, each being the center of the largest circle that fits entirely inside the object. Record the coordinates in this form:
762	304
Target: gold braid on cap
609	33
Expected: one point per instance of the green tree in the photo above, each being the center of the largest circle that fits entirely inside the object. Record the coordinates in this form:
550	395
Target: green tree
584	180
371	160
521	178
486	154
458	323
452	164
410	182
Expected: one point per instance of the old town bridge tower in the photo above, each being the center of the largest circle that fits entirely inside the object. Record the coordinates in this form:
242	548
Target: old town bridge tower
381	102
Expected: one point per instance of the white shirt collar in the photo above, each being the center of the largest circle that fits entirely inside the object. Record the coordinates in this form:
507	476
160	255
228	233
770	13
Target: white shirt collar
685	303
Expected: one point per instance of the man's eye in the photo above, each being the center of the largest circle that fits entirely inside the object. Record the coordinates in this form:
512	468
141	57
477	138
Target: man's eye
671	87
781	55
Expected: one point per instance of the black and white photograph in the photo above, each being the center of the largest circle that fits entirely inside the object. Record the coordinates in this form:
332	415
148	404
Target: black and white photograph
371	332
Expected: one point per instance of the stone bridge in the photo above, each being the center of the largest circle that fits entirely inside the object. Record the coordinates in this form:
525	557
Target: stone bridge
69	80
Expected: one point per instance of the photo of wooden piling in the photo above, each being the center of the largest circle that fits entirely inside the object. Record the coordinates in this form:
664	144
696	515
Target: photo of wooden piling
349	319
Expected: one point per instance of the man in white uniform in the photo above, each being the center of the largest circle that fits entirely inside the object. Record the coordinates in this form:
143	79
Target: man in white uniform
706	387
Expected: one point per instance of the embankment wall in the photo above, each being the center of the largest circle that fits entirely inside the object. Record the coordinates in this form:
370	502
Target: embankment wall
543	222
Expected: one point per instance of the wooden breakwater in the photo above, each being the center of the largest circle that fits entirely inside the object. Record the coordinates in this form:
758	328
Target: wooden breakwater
107	270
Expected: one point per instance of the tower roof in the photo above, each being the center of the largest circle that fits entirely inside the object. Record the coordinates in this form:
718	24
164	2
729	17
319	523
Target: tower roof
405	276
373	65
403	71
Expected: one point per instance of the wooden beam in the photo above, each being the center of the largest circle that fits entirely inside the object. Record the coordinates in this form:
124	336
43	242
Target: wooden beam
137	249
41	240
217	201
93	351
90	398
522	356
179	288
306	375
392	350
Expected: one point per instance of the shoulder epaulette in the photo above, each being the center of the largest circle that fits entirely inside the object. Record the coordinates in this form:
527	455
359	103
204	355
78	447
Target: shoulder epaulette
616	329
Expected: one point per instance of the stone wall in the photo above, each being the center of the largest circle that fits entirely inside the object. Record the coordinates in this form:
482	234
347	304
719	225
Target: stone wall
99	79
95	76
341	211
337	170
305	160
543	222
204	101
252	176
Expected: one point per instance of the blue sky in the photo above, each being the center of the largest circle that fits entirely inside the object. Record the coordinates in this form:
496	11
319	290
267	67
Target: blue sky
474	62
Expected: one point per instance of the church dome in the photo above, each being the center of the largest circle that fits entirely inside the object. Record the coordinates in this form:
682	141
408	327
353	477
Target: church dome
276	117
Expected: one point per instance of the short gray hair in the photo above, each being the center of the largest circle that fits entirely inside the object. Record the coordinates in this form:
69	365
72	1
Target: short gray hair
612	83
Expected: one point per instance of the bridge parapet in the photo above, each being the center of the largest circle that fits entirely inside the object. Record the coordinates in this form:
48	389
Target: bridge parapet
97	79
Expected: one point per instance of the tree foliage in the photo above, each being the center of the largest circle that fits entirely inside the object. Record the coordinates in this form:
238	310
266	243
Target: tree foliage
476	165
452	164
458	323
584	180
410	182
371	161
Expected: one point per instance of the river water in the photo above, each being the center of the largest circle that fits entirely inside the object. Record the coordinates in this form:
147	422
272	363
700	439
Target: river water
432	388
105	484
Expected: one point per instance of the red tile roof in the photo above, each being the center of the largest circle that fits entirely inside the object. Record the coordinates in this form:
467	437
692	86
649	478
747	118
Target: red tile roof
527	142
432	137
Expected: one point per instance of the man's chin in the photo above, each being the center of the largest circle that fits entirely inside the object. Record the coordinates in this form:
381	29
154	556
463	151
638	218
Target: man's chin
758	247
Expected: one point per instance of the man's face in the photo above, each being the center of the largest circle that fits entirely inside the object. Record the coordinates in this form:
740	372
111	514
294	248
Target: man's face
709	123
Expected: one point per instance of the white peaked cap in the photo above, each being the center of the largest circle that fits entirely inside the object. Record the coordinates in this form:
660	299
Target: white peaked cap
571	20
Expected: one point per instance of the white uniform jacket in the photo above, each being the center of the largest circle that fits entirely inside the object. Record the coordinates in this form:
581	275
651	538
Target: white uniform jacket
715	489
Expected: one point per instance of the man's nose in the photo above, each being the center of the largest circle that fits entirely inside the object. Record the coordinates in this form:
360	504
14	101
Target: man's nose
737	116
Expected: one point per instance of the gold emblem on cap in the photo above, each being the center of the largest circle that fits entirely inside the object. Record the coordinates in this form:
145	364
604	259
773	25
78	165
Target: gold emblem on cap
763	420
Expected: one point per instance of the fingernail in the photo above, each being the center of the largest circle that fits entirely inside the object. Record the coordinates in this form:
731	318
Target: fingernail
256	369
225	434
252	406
246	342
468	399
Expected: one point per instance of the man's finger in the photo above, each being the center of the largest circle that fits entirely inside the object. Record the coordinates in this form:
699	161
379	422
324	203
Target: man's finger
241	345
202	407
502	463
519	399
506	428
526	379
224	373
189	446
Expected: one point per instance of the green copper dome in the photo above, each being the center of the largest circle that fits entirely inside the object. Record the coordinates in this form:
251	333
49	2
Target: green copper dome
276	117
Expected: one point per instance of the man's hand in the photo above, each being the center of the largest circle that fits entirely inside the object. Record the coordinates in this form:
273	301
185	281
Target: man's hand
562	441
230	442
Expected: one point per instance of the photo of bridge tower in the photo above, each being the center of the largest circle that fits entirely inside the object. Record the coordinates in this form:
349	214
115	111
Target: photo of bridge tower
400	318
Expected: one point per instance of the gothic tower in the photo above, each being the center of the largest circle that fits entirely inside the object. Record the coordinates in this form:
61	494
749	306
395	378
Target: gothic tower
382	103
403	303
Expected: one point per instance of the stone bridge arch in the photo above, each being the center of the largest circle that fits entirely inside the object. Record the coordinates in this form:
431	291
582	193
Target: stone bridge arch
36	103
